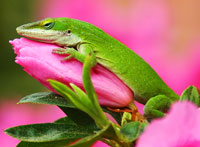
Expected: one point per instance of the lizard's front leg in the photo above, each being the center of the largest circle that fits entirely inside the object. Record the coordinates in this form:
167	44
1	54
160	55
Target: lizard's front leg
80	53
73	53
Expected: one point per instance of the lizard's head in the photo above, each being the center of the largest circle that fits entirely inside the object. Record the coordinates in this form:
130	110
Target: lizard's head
60	31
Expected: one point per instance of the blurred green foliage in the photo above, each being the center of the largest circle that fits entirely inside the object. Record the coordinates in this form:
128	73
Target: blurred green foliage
14	81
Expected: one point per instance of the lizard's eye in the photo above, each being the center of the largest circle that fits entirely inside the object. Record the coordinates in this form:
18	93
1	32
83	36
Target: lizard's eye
48	25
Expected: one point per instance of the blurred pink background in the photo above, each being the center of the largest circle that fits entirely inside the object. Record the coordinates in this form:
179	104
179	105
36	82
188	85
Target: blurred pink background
165	33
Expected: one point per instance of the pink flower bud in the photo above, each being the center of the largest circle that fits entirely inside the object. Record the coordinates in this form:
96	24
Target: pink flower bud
39	62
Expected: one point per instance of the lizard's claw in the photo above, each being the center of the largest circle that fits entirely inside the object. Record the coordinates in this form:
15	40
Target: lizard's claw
71	52
67	58
60	51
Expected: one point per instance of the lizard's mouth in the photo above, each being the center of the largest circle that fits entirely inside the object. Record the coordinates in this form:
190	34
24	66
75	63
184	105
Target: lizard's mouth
49	40
37	34
60	38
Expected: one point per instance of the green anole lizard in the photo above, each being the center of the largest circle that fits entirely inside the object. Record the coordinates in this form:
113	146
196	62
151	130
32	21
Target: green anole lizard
81	38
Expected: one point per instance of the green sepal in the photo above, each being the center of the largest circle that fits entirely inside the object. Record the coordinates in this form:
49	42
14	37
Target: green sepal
49	132
126	118
75	99
67	93
70	95
191	94
131	131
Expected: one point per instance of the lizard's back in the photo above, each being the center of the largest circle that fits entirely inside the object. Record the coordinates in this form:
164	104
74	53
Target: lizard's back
131	69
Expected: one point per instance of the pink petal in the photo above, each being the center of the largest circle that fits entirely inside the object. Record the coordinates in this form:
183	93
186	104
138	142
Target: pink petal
180	128
38	61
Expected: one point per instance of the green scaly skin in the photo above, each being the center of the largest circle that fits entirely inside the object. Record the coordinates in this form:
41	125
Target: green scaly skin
81	38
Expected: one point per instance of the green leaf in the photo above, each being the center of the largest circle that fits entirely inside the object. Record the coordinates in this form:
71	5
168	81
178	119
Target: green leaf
132	130
84	142
46	98
68	108
59	143
191	94
88	141
78	116
55	99
65	120
49	132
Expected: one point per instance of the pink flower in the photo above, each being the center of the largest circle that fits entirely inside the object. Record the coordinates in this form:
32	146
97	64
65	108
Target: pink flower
38	61
180	128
